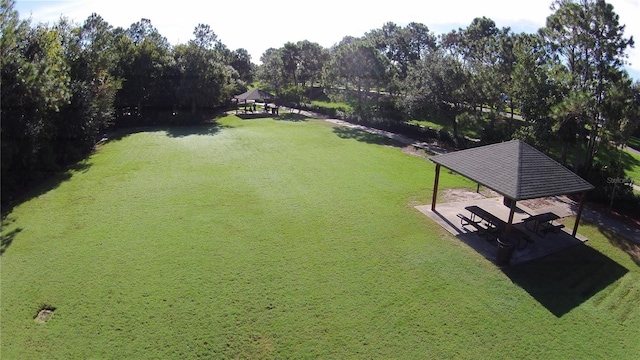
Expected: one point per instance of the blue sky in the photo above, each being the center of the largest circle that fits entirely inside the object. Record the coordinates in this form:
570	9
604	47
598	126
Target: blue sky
259	25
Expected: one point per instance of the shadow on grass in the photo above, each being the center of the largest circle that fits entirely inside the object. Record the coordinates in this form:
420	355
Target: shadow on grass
634	142
7	239
629	162
176	131
631	248
562	281
363	136
203	130
293	117
256	115
47	184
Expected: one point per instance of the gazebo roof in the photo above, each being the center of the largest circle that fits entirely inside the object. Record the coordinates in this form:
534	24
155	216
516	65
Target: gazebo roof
515	170
255	94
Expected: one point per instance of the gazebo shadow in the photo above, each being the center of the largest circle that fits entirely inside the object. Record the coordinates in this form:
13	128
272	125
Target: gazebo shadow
562	281
559	271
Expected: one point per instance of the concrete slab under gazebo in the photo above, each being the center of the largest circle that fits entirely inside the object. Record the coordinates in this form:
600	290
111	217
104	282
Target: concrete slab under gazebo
516	171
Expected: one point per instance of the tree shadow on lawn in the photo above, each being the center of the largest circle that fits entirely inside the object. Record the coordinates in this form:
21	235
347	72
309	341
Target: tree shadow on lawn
293	117
256	115
363	136
631	248
628	161
202	130
7	239
562	281
47	184
175	131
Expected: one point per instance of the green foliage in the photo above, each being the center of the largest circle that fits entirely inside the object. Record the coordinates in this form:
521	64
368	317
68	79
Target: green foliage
35	86
271	74
292	96
403	46
612	188
148	69
588	46
64	86
241	62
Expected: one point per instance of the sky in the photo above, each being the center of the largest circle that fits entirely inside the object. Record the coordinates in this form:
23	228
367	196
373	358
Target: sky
259	25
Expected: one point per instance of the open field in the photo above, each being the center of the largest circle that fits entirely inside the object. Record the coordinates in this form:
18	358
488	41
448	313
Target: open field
287	239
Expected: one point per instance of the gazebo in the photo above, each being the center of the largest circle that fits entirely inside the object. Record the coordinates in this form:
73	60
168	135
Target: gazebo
516	171
253	96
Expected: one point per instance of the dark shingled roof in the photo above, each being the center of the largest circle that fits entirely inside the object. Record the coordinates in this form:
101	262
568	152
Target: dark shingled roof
515	170
255	94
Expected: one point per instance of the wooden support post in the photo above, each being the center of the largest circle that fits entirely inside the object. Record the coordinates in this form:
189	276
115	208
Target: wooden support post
512	210
435	188
578	215
478	188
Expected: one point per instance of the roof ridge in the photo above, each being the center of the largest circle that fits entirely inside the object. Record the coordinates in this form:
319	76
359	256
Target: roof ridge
519	166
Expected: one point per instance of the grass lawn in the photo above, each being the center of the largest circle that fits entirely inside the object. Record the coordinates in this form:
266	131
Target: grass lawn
472	128
285	239
633	167
332	105
630	161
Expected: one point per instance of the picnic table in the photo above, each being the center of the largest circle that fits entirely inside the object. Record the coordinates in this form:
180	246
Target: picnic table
495	226
494	223
542	224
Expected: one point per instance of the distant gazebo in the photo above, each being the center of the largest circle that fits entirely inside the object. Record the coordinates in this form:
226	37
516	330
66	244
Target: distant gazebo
516	171
252	96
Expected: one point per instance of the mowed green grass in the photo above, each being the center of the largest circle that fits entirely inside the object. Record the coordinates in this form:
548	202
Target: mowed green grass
270	239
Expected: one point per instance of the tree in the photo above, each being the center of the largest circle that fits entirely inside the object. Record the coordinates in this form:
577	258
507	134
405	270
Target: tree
146	68
359	64
241	62
485	52
532	89
272	71
205	79
312	57
34	86
290	54
403	47
92	60
205	38
435	86
589	48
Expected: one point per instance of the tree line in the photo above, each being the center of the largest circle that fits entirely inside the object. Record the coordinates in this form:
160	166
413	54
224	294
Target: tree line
64	84
567	80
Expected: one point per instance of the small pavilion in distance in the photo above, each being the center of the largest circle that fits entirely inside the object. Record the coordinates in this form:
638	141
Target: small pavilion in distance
251	97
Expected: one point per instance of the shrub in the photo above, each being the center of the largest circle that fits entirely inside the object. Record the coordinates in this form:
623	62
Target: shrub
604	176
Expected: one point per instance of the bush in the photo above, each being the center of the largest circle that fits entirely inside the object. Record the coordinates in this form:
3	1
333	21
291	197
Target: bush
604	176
